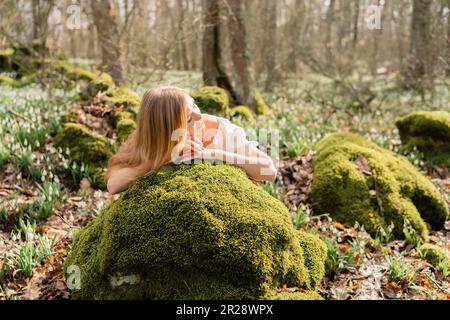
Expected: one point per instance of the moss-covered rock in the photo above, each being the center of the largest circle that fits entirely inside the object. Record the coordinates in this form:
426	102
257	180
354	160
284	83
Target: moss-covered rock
123	97
122	115
124	128
434	254
429	132
212	99
313	247
71	116
261	105
5	59
73	72
95	81
296	295
83	144
356	180
6	80
86	147
241	111
193	232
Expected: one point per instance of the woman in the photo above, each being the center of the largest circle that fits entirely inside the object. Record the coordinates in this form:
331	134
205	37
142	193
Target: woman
171	129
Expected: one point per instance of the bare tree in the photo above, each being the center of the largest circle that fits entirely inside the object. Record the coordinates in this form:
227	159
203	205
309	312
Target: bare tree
271	43
447	63
40	12
420	64
105	20
245	86
213	69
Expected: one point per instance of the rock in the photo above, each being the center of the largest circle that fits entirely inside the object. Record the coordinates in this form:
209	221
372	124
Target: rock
241	111
429	132
124	128
123	97
86	147
355	180
194	232
261	105
5	59
434	254
212	99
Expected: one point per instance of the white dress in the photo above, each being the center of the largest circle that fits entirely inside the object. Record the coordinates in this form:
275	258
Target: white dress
230	137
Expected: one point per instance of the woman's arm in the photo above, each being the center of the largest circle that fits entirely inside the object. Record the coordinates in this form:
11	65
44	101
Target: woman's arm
258	165
120	179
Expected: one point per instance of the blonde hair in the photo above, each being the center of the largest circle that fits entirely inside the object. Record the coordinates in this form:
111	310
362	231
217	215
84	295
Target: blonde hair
162	111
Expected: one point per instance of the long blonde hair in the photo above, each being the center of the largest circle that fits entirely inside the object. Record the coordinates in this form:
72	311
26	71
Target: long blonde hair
162	111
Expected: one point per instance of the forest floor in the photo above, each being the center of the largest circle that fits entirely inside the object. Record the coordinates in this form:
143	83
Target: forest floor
44	197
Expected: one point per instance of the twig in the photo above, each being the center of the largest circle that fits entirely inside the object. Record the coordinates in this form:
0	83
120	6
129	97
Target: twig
434	281
18	115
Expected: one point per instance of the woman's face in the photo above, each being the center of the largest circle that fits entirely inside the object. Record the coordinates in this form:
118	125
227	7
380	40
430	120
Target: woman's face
195	119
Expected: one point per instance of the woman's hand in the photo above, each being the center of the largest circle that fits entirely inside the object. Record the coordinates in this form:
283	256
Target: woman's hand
192	149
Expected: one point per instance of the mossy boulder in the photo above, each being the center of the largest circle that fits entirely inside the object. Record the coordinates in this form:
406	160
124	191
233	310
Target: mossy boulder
86	147
95	81
5	59
434	254
429	132
123	97
355	180
212	99
71	116
124	128
261	105
6	80
198	231
296	295
122	115
241	111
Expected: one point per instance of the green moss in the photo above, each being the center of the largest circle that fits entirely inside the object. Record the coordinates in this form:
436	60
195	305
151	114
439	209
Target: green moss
313	247
122	115
192	232
5	155
124	128
103	81
5	59
74	73
97	177
429	132
10	82
261	105
241	111
434	254
212	99
70	117
123	97
84	145
356	180
6	53
96	80
296	295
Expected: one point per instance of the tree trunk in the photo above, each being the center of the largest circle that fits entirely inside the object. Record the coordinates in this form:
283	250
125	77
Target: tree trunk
105	20
421	44
355	24
272	37
213	69
245	87
328	35
183	50
294	32
447	66
40	12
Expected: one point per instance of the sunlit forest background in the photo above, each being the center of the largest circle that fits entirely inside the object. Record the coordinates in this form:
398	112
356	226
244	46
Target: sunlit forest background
305	68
